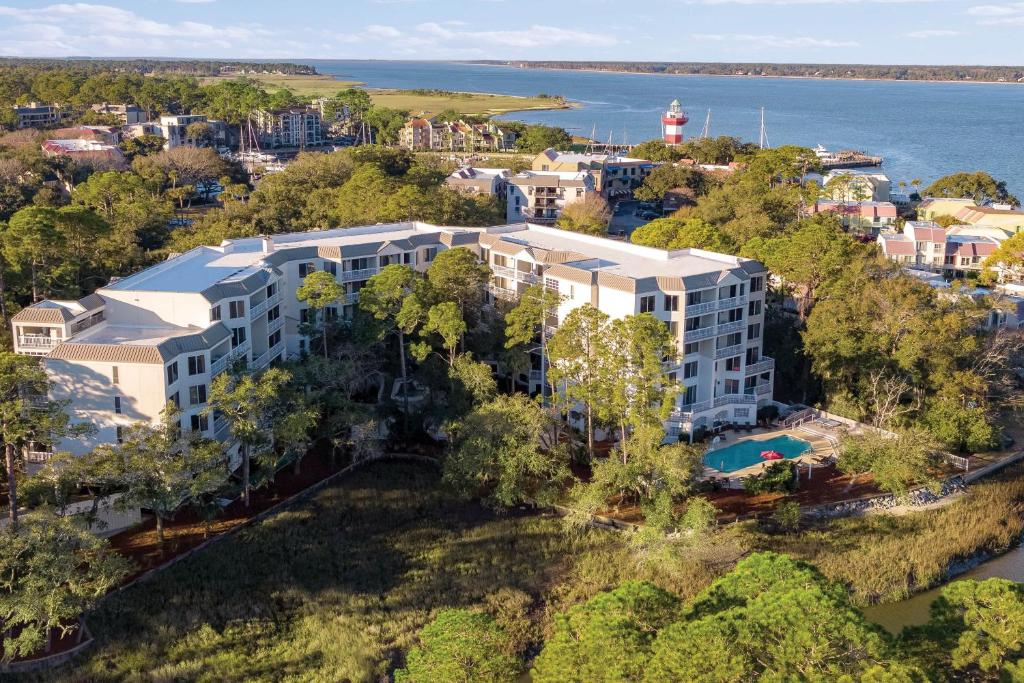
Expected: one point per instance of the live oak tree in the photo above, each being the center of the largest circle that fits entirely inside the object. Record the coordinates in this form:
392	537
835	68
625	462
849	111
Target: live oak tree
458	276
979	186
499	451
589	216
460	645
320	290
251	405
51	571
162	467
27	416
676	233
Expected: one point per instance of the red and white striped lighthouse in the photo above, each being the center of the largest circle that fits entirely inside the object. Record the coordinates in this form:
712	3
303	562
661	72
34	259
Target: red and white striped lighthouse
672	123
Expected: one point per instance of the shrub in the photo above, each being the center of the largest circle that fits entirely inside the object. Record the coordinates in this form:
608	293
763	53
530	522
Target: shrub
777	477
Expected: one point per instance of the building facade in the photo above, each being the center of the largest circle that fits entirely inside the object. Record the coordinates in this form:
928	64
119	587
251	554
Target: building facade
485	181
127	114
422	134
928	246
36	115
859	216
613	175
540	197
290	127
118	356
174	129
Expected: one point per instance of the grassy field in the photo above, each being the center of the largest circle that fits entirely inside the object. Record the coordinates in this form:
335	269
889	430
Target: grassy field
430	104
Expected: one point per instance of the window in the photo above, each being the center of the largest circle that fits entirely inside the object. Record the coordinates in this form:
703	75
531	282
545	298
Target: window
113	374
273	314
237	337
429	253
729	340
690	369
693	298
672	377
236	309
407	258
172	372
647	303
673	328
306	268
742	412
304	316
732	364
756	284
671	302
176	400
215	313
754	308
200	423
753	355
732	386
332	267
501	260
197	395
117	405
689	396
754	331
691	347
727	292
730	316
271	289
120	433
274	339
196	365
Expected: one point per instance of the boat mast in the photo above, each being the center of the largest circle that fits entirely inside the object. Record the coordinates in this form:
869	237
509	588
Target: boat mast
705	133
763	141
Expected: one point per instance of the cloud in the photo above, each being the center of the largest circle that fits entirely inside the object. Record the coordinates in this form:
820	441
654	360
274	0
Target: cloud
1010	14
772	41
934	33
451	33
808	2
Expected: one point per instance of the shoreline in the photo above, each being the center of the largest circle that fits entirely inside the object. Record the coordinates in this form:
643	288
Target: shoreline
750	76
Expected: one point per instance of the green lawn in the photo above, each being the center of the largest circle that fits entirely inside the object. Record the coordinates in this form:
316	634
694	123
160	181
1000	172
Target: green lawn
303	85
332	590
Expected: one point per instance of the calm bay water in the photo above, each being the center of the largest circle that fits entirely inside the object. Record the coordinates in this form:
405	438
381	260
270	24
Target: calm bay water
924	130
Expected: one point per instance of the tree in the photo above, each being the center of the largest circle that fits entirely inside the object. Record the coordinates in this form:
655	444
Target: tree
457	275
161	467
979	186
575	350
1008	258
318	291
979	628
51	571
386	122
897	462
444	320
392	297
26	417
498	451
529	317
250	403
30	243
668	177
589	216
356	99
143	145
537	138
460	646
675	233
200	132
607	639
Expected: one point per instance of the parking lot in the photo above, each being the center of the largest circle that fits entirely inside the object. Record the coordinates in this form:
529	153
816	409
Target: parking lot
624	221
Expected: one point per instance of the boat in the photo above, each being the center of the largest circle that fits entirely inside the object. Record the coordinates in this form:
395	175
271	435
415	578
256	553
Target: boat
845	158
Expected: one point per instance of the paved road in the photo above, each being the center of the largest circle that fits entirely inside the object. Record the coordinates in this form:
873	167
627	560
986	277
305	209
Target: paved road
623	221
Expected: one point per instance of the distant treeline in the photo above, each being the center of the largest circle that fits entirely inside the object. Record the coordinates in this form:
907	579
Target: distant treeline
1007	74
187	67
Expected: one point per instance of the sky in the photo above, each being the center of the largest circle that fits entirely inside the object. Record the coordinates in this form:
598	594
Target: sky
823	31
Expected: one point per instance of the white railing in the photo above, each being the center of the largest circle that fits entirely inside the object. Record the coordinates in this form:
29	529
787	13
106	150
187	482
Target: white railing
727	399
37	457
38	341
734	326
763	389
264	358
528	277
503	271
763	365
352	297
275	324
729	351
699	333
502	292
733	302
353	275
221	364
697	309
798	417
221	429
263	306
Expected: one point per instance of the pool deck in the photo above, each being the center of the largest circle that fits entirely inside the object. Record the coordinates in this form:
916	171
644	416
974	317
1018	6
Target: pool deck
822	439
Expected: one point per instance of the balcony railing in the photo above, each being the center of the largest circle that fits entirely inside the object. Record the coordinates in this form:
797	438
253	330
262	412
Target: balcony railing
763	389
353	275
734	326
699	333
263	306
729	351
263	360
275	324
763	365
221	364
732	303
351	298
503	271
697	309
727	399
38	341
502	292
37	457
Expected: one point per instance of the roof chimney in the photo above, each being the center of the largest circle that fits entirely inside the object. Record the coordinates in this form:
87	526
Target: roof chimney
267	244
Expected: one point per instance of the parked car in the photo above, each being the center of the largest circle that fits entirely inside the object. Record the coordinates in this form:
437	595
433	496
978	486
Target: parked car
648	215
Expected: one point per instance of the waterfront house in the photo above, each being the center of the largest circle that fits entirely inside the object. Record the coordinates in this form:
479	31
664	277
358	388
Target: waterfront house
851	185
926	245
866	216
174	129
1007	219
931	208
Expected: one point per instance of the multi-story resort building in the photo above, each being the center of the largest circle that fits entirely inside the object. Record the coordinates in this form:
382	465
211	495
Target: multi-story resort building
174	129
540	197
290	127
127	114
421	133
868	216
485	181
613	175
119	355
36	115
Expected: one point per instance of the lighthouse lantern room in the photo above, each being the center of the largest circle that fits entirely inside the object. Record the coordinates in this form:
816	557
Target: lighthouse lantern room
672	123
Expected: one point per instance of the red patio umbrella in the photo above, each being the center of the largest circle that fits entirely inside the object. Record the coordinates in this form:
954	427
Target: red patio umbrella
772	455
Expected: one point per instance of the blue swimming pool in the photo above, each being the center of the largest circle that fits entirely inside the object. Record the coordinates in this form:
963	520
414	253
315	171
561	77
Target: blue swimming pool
747	453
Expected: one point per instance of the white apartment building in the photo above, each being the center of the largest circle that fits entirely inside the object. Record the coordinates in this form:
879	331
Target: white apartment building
290	127
174	129
924	244
119	355
540	197
712	303
475	180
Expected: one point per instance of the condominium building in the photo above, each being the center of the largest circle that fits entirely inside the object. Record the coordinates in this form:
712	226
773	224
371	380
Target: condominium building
540	197
928	246
174	129
485	181
613	175
867	216
289	127
118	356
127	114
713	305
858	185
36	115
420	134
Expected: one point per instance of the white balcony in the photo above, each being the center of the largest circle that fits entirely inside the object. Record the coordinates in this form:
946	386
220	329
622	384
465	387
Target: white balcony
38	341
354	275
763	389
729	351
275	324
699	333
221	364
502	292
264	306
263	360
503	271
729	399
351	298
734	326
732	303
697	309
763	365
